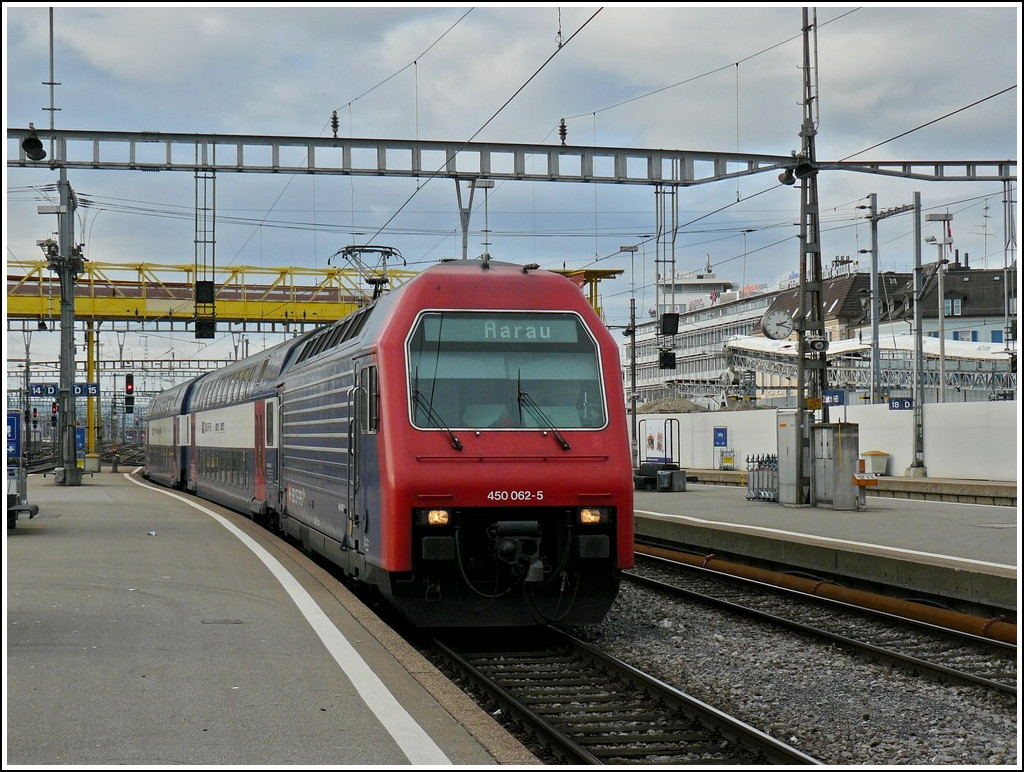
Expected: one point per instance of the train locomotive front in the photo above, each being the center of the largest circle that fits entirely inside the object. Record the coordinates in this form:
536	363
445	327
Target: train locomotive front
459	444
500	464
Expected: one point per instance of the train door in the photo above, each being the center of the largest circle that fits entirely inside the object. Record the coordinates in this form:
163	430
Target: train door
362	471
271	453
259	454
192	461
352	472
177	471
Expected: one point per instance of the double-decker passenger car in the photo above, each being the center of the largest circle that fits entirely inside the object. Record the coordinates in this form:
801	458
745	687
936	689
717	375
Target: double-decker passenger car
459	444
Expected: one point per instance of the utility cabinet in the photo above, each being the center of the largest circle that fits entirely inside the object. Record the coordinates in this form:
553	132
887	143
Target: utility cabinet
790	443
836	452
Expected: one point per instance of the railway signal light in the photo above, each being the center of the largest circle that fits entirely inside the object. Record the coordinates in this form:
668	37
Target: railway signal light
53	408
33	147
129	383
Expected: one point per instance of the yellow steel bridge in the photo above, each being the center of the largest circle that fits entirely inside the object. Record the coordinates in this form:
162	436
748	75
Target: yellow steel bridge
153	292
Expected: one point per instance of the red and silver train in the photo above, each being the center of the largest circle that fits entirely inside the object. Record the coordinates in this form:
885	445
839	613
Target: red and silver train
459	444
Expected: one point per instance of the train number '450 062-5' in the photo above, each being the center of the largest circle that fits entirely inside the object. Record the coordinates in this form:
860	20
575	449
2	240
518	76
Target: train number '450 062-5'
515	496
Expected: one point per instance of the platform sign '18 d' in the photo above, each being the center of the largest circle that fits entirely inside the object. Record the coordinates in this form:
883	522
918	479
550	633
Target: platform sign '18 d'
901	403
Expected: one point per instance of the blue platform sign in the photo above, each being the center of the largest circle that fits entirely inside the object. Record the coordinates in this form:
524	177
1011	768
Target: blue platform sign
86	389
13	433
833	397
43	389
721	437
901	403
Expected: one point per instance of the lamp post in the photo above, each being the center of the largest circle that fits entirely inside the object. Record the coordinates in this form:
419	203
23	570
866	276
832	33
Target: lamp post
917	467
874	216
634	444
875	360
941	244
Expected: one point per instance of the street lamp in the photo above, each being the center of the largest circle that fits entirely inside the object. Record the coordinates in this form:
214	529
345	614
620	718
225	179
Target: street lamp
941	244
634	444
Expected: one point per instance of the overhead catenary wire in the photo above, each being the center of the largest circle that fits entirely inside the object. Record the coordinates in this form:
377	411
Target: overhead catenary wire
486	123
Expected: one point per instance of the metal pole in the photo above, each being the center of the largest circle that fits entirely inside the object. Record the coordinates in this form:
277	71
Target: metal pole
463	217
99	396
942	324
876	299
876	364
90	409
917	467
68	264
28	405
1009	259
634	442
941	242
810	317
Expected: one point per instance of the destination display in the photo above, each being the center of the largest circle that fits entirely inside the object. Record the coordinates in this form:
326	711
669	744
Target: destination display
501	328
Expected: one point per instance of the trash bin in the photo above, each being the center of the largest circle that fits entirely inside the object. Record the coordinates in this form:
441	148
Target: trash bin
673	480
874	461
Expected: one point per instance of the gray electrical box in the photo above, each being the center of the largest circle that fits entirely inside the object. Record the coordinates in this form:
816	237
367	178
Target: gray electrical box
836	452
790	441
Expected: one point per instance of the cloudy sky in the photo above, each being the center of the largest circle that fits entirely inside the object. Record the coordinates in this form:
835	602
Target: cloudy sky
894	82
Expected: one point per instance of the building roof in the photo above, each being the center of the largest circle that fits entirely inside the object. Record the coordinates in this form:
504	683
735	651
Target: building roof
846	299
954	349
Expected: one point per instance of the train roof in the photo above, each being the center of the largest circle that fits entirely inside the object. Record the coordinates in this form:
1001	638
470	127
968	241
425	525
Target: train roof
170	401
245	379
257	374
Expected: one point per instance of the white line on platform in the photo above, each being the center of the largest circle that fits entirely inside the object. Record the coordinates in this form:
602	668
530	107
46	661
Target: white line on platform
415	743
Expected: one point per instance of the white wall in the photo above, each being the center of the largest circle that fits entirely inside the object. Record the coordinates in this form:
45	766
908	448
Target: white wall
969	440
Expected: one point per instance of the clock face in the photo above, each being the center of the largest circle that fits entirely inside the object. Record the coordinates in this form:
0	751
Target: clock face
777	324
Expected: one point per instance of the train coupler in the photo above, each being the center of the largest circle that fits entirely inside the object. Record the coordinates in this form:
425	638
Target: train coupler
433	593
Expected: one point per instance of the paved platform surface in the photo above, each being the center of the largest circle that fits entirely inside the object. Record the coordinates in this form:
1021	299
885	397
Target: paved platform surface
965	551
141	630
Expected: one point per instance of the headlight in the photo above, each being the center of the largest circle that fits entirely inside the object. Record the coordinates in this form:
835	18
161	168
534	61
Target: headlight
594	515
433	516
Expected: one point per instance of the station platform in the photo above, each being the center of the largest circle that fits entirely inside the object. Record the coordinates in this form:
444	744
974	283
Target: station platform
145	628
932	543
962	491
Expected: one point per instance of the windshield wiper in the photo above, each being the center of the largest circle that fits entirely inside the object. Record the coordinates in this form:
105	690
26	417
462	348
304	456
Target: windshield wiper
525	400
420	400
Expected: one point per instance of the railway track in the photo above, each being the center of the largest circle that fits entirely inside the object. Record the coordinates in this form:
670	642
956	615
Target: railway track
928	650
40	463
127	456
585	707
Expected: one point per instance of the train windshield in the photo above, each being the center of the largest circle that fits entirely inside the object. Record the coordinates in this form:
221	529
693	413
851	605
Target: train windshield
485	369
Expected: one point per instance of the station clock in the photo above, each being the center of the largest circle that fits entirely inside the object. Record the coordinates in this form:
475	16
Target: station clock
777	324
